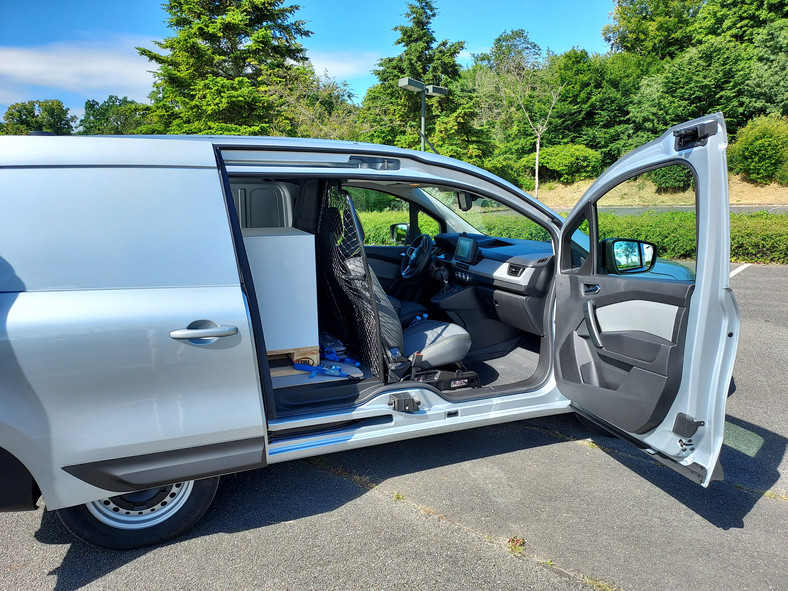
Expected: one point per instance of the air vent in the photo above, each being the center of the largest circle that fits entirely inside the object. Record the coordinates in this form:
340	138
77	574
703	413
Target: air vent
544	260
514	270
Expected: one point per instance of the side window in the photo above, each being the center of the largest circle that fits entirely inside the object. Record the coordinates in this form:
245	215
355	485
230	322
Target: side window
578	252
379	211
427	223
657	207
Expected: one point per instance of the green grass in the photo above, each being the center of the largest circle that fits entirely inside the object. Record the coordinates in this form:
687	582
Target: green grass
759	237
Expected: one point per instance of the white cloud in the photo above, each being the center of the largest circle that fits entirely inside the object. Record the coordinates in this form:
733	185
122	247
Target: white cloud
466	57
344	65
90	69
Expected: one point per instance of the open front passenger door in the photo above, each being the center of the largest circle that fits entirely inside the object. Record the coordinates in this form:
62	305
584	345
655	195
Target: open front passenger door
645	353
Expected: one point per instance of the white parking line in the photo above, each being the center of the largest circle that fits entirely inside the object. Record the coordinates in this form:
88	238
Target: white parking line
739	269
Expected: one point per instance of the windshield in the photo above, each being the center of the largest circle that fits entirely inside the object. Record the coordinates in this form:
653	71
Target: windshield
489	217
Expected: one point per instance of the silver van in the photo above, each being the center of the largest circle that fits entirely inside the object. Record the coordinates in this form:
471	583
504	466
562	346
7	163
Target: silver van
177	308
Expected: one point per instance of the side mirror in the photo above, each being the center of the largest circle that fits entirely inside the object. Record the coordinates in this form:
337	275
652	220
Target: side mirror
623	256
399	233
464	200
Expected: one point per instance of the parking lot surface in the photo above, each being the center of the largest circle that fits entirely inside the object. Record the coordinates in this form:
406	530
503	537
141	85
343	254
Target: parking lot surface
436	513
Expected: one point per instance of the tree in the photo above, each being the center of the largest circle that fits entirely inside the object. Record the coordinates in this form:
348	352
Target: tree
114	116
508	47
594	104
741	20
703	79
652	27
217	71
456	134
317	106
393	114
49	115
768	84
516	75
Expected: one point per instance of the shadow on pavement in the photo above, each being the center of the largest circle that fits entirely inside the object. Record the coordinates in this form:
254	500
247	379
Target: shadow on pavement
751	456
294	490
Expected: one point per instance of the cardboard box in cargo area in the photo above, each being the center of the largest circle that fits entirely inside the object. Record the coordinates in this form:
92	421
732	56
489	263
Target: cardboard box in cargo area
282	261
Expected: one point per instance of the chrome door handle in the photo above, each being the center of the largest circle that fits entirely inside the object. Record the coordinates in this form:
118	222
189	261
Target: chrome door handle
222	330
591	289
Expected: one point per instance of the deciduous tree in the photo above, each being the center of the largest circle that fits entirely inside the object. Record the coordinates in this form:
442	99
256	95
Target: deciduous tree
114	116
517	75
652	27
49	115
742	20
703	79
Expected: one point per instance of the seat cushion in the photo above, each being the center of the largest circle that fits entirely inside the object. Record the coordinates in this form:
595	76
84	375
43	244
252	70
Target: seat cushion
440	343
406	310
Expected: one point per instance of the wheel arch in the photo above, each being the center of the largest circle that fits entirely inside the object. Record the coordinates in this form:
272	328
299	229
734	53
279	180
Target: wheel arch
20	491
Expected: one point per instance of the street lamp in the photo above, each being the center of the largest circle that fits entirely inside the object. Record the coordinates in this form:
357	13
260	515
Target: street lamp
424	89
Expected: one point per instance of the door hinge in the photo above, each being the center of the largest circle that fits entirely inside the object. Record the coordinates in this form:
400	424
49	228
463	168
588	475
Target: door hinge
697	135
686	426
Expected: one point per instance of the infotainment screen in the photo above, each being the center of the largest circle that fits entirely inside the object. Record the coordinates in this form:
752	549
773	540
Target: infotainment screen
466	250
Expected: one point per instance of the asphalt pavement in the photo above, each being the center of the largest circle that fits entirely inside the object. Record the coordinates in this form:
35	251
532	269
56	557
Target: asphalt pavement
635	210
436	513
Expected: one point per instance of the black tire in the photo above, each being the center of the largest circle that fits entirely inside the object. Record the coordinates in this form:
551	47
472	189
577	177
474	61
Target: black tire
139	519
593	427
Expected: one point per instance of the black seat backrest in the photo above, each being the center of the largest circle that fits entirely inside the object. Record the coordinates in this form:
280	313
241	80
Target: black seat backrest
347	300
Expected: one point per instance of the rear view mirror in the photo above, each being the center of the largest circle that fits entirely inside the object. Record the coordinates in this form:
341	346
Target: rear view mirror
464	200
624	256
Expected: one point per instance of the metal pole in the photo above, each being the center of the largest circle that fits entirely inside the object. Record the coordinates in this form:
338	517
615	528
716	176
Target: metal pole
423	116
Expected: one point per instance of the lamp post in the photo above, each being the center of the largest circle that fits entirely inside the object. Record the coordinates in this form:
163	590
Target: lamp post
425	90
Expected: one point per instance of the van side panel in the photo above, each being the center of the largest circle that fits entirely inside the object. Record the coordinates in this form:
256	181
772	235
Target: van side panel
98	266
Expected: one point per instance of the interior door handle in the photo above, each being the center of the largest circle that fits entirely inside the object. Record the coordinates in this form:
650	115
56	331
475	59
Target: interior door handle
591	288
589	311
212	332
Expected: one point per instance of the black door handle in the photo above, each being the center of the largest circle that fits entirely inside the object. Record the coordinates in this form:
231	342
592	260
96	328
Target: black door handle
589	312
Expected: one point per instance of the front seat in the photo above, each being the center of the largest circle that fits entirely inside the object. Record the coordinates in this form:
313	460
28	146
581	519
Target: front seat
407	311
440	343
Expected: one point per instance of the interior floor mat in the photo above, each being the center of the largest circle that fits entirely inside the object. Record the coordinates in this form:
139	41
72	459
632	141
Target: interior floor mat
517	365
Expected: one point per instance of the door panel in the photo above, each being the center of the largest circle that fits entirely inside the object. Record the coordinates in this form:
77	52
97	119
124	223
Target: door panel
627	371
108	382
650	355
386	262
646	316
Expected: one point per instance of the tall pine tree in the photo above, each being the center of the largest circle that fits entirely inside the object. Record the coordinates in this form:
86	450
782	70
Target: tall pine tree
393	114
216	73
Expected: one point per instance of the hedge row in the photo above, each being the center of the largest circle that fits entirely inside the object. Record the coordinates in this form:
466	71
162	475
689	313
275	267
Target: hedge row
759	237
377	223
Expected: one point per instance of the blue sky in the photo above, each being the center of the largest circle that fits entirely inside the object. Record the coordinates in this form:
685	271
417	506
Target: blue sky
74	50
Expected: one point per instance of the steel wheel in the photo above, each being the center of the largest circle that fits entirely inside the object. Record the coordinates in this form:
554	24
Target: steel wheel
146	508
143	518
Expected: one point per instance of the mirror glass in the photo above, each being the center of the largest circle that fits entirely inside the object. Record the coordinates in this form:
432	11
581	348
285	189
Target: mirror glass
632	256
399	233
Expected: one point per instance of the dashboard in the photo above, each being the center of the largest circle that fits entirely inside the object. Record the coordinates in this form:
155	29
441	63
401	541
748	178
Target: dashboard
519	266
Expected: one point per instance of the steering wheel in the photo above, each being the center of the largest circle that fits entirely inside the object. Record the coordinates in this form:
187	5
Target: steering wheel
416	257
